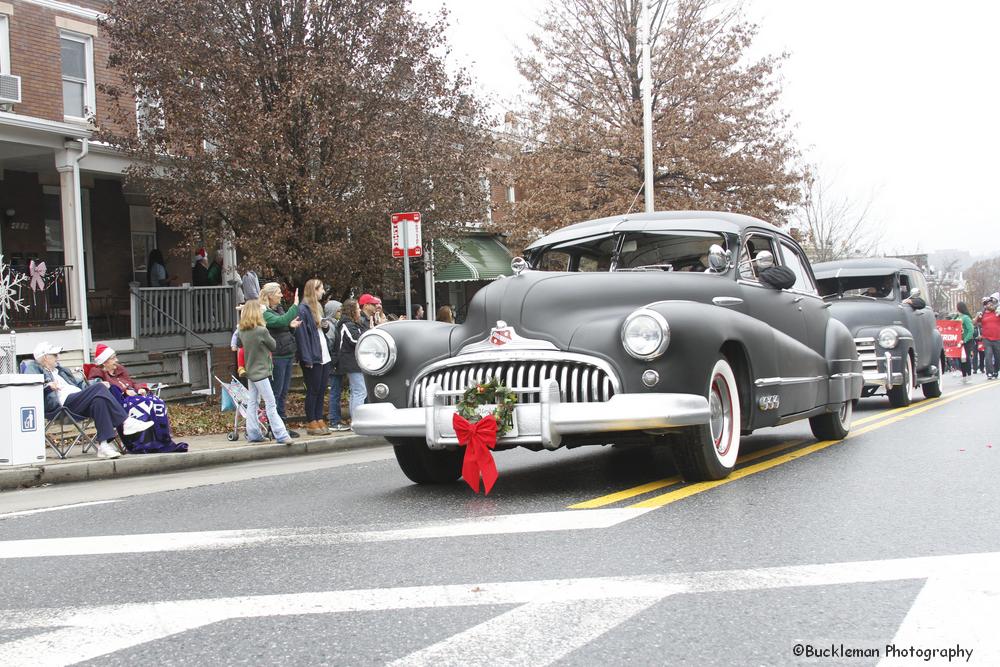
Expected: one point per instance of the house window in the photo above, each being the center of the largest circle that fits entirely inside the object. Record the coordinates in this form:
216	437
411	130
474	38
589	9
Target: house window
4	44
510	194
77	75
148	114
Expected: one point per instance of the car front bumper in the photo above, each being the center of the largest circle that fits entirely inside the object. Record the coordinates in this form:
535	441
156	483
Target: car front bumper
544	423
885	373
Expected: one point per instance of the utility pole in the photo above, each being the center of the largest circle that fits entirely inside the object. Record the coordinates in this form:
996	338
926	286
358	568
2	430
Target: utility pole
647	107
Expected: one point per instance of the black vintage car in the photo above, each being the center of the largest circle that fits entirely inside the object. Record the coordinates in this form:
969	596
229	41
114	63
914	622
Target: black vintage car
882	302
685	328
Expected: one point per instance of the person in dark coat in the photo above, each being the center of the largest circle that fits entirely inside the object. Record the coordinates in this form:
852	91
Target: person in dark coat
199	270
347	339
94	401
314	356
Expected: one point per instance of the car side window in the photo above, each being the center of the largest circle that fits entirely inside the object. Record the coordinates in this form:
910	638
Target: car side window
795	262
904	286
753	245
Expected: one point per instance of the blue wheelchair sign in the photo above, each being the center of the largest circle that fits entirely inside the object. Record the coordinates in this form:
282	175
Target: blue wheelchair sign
29	420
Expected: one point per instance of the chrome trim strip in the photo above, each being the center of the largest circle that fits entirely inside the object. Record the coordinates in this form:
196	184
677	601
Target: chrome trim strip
770	382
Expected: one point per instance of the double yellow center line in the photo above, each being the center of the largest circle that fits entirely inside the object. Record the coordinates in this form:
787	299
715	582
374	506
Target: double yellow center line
868	424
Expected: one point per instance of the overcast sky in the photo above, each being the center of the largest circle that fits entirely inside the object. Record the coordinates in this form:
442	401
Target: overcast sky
895	102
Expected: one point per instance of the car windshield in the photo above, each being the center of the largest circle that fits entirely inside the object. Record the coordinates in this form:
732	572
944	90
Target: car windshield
878	287
633	251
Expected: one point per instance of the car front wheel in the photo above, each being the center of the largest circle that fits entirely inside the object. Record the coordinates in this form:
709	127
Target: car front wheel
901	395
424	465
709	451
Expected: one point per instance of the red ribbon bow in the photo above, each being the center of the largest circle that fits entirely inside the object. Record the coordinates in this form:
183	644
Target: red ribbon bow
478	439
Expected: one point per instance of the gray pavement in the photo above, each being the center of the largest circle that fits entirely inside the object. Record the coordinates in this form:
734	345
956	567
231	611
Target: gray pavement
889	537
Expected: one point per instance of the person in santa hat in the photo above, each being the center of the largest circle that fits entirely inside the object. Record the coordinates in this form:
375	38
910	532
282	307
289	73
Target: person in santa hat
137	401
199	269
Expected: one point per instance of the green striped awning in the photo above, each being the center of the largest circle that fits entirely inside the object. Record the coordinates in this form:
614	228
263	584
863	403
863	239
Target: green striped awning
472	258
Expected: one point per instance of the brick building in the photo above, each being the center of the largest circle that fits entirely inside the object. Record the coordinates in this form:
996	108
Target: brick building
63	200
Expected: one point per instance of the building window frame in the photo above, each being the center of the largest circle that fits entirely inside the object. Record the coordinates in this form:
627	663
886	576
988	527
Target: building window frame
4	44
89	87
511	195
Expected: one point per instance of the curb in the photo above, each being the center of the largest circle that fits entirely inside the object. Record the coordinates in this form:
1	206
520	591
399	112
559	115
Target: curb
151	464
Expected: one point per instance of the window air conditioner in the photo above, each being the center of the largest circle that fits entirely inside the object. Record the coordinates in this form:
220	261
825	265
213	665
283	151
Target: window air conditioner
10	89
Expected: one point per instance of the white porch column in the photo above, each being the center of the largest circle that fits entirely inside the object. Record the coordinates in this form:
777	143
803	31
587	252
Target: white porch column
67	164
228	260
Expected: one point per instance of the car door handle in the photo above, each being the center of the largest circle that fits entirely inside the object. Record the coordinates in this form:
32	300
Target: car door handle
797	299
727	301
826	305
920	312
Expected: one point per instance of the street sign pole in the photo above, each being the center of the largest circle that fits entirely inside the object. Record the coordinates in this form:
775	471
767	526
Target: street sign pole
405	224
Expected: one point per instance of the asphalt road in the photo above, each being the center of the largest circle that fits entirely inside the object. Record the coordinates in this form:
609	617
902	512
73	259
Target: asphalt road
585	557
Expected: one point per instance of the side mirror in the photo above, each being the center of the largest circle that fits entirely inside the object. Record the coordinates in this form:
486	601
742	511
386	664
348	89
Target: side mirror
719	259
764	259
778	277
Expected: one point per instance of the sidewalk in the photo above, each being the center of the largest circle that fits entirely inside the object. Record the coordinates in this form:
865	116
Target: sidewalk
204	450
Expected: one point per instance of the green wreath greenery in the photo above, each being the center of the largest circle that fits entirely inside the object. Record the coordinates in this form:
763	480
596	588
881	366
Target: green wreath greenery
489	393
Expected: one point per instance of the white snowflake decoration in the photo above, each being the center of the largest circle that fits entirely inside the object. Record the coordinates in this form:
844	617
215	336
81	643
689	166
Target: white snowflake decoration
10	293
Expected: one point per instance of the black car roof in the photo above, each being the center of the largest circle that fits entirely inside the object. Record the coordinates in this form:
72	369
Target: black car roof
710	221
866	266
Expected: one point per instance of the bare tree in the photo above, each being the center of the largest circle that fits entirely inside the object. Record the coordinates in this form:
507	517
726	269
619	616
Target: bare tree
296	127
721	142
832	226
982	279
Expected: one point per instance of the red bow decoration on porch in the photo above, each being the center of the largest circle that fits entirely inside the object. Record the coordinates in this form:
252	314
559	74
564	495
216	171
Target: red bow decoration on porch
478	438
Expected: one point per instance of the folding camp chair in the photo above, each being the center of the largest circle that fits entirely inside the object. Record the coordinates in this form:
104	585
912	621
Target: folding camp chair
64	429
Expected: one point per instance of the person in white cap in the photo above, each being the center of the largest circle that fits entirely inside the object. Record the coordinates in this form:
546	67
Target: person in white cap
95	401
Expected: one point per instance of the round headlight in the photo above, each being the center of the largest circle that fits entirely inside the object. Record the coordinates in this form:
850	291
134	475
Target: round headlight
887	338
375	352
645	334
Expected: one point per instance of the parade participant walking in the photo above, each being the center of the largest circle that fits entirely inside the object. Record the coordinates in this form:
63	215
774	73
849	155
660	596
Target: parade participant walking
258	345
347	339
967	339
314	356
989	323
281	325
93	401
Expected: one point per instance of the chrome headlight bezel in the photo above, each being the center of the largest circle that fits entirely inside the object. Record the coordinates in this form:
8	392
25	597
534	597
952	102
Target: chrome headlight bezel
645	316
888	338
380	338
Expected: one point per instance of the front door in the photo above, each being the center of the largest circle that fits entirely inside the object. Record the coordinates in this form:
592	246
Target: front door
781	310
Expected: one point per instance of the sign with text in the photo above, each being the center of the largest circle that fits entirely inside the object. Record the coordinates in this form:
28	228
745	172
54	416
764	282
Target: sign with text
412	234
951	335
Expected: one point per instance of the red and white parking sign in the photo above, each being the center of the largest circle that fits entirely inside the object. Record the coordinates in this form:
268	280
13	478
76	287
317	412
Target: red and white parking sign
412	222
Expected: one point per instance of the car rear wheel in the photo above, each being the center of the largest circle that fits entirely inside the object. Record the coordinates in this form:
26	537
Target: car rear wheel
709	451
427	466
833	425
901	395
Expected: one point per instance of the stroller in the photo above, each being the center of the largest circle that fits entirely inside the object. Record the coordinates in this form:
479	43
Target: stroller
241	399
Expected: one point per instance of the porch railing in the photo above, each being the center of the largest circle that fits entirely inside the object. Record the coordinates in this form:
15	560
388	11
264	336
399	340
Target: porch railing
178	311
49	303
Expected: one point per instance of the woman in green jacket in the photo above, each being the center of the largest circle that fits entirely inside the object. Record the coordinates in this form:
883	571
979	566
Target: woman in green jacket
968	331
257	347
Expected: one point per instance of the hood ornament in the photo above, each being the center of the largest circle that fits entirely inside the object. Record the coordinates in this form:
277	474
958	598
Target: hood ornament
503	336
518	265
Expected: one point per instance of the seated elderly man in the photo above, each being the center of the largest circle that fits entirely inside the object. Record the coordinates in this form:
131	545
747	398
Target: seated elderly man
137	401
95	401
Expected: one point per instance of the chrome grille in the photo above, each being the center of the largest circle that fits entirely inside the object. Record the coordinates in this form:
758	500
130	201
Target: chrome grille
866	352
579	381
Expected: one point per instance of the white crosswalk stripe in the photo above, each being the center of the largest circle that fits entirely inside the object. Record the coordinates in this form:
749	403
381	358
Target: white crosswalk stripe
960	598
